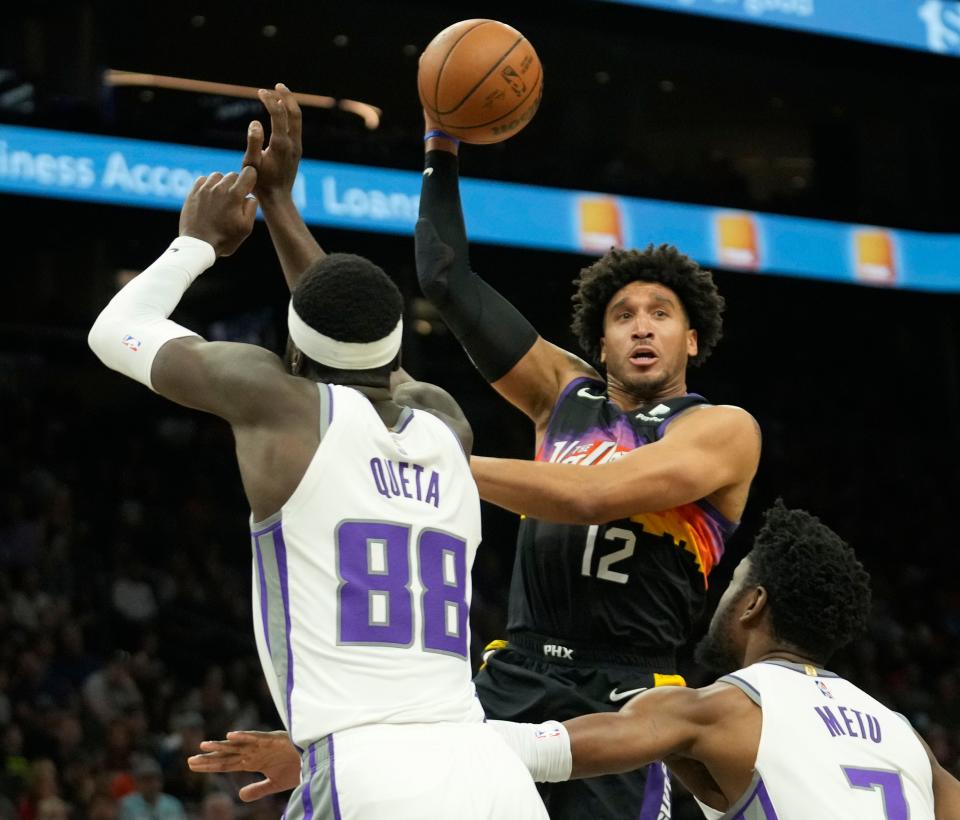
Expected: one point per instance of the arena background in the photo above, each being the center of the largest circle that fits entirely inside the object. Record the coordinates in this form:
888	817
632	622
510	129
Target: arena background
124	555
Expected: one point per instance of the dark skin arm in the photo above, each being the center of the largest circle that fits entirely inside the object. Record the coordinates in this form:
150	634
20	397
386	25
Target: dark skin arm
703	453
277	166
218	377
946	788
534	382
717	726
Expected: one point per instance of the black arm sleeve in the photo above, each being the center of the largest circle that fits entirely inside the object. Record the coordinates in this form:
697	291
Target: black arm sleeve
492	331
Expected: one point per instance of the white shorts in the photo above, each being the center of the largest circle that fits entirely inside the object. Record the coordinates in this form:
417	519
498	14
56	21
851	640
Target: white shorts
420	771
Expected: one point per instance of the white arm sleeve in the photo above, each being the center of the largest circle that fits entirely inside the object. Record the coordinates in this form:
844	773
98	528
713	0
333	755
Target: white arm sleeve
132	328
544	748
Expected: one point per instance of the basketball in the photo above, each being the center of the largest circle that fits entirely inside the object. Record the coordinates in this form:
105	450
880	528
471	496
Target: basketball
481	80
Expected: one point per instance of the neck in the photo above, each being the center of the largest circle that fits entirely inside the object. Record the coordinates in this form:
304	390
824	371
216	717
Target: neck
632	398
781	654
375	394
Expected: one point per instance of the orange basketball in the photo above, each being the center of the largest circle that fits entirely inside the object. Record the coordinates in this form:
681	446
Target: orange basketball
480	80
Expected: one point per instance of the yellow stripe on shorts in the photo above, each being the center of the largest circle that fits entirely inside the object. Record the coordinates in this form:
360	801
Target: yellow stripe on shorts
668	680
490	648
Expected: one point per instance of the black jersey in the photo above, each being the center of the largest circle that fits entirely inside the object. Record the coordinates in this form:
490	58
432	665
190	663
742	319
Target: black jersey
633	585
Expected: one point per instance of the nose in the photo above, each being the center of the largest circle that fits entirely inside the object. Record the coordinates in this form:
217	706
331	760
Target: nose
642	328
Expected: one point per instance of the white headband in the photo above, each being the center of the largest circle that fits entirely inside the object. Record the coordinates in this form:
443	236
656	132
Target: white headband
343	355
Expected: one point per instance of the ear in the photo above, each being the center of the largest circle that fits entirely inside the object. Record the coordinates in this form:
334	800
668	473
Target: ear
756	605
692	343
603	350
296	361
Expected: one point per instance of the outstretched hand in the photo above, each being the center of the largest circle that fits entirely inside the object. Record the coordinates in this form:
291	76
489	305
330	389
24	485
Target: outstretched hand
277	163
269	753
220	210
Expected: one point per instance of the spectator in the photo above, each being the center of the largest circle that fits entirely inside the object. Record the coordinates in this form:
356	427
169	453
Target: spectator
149	802
110	691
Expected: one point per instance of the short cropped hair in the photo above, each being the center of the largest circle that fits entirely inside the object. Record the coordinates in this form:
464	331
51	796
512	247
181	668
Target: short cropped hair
665	265
819	593
348	298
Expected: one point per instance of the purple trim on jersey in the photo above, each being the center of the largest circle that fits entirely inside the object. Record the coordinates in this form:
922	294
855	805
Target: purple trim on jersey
562	397
653	793
724	523
761	796
281	552
335	798
764	797
305	798
406	422
275	525
748	689
264	612
666	422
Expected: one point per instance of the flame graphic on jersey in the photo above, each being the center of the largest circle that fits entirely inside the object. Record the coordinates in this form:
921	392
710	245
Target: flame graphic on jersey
693	529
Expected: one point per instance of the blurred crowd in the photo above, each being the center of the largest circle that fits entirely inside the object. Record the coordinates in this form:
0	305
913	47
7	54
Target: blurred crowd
125	613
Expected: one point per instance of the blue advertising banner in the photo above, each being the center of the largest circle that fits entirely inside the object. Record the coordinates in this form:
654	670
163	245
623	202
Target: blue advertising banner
89	168
927	25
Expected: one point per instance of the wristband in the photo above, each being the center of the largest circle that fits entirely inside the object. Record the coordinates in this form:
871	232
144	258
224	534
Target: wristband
544	748
436	132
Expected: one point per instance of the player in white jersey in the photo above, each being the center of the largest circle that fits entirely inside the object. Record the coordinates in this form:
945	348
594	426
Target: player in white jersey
365	521
782	738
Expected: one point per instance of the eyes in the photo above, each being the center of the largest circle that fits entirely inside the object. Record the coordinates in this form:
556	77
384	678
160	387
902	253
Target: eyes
627	315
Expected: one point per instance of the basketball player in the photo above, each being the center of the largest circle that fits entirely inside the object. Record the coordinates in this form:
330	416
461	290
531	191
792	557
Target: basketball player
364	525
613	561
780	738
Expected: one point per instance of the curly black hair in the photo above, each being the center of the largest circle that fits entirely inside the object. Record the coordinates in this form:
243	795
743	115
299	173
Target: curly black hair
348	298
819	592
664	264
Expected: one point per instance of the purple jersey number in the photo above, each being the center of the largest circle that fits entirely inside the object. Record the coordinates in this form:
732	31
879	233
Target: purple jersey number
890	785
375	602
443	572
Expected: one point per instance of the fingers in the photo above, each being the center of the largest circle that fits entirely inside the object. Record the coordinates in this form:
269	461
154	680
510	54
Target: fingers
294	116
215	762
254	153
257	790
212	181
279	117
244	182
197	185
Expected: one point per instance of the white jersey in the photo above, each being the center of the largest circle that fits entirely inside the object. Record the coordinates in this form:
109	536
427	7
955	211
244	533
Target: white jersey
361	583
829	750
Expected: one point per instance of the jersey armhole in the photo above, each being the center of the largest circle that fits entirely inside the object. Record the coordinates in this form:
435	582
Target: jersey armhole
561	398
744	686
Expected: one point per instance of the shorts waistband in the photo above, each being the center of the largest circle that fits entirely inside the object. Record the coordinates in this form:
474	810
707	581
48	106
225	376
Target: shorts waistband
549	648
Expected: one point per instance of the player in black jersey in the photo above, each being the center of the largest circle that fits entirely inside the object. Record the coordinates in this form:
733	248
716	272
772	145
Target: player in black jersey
612	562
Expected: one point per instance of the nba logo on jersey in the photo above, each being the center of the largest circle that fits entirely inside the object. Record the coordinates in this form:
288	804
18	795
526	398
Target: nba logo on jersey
735	240
874	255
599	224
824	689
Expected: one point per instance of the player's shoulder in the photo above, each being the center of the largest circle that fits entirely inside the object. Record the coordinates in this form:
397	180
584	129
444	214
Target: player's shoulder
725	419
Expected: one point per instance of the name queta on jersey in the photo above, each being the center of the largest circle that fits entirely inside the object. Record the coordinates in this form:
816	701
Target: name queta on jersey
402	479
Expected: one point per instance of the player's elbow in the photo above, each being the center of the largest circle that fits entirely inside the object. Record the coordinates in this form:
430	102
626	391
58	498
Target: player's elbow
99	334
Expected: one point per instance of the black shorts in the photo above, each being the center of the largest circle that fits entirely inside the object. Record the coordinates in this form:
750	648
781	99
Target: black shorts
518	684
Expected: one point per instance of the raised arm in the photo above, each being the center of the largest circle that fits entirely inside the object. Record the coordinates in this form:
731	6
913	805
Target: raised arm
524	368
710	450
134	335
277	166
